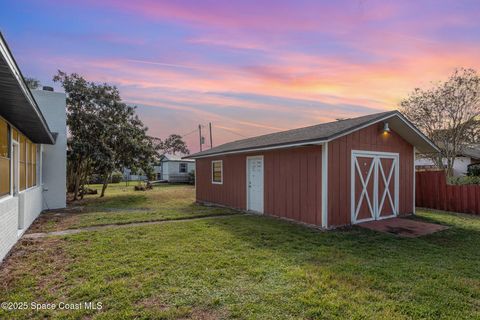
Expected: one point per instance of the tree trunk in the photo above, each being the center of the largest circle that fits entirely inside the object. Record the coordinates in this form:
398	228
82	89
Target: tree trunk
105	184
77	185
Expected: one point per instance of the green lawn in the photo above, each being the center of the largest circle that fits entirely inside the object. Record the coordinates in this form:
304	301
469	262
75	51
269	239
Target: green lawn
122	204
250	267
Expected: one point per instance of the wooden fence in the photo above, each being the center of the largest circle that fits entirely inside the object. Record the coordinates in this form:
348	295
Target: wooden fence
432	191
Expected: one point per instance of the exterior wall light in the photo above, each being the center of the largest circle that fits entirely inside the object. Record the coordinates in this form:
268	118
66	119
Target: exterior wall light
386	128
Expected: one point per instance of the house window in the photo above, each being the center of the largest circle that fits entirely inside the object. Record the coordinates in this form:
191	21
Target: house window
183	168
29	163
23	161
4	158
33	166
217	172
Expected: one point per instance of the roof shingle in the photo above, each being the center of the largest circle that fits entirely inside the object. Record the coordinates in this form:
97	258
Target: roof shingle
324	131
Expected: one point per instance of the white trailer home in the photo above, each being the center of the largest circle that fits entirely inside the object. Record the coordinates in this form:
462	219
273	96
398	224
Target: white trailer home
173	168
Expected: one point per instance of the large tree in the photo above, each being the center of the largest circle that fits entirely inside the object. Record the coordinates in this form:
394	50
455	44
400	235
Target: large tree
105	135
173	144
447	113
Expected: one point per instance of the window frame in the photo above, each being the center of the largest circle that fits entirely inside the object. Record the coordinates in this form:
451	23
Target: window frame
8	158
185	165
221	172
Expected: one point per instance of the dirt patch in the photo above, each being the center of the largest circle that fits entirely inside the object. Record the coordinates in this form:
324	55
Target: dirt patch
203	314
403	227
51	221
38	260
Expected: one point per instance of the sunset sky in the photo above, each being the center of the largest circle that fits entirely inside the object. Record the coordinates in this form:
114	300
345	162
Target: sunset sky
249	67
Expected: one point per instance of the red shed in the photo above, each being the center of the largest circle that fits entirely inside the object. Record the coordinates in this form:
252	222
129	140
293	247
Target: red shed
329	175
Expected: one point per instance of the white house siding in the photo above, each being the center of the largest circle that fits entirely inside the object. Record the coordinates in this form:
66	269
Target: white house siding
8	224
16	215
31	202
459	167
171	170
54	176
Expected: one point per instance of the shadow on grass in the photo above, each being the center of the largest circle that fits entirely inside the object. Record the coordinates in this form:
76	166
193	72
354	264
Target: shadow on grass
441	270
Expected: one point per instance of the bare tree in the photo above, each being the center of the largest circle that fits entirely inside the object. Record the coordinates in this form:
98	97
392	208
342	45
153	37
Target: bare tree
32	83
447	113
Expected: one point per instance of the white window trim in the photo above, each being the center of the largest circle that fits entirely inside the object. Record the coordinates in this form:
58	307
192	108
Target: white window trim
221	171
180	167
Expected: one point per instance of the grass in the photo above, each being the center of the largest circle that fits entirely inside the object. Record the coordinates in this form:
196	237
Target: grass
122	205
250	267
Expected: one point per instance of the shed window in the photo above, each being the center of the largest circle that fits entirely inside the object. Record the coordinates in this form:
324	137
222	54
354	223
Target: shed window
183	168
4	158
217	171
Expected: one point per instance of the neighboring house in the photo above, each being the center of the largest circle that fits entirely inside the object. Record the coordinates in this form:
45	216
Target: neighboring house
32	151
173	168
128	176
328	175
468	156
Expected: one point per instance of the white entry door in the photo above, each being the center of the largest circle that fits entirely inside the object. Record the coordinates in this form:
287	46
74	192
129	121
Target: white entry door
374	185
255	183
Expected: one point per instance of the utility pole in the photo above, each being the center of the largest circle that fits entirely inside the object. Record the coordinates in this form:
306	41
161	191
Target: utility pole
210	127
200	135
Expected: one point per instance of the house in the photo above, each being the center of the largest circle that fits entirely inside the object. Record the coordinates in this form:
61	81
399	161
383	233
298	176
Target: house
328	175
468	156
138	176
33	148
172	168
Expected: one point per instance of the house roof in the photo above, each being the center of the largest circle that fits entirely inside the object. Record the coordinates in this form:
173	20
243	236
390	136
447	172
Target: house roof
472	151
17	104
324	132
174	157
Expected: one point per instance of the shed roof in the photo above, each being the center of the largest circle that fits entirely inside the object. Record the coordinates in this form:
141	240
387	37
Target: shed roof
324	132
17	104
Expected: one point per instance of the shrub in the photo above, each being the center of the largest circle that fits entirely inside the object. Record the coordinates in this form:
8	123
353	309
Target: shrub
116	177
191	177
473	170
464	180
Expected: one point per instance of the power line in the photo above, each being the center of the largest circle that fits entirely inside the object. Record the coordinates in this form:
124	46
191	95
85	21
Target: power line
187	134
234	132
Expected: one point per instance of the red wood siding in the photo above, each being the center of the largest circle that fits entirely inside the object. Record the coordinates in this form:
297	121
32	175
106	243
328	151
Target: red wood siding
232	192
433	192
339	167
292	183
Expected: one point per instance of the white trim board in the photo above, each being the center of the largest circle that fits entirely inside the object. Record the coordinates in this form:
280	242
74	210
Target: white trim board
325	185
375	172
211	172
323	141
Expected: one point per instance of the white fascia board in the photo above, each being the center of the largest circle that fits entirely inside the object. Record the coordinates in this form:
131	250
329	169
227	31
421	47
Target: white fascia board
283	146
5	52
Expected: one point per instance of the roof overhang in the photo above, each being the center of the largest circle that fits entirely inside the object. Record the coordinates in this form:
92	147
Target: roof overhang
411	134
17	104
396	121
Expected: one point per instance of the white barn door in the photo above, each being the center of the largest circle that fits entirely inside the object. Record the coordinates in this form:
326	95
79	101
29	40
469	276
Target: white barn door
374	185
255	184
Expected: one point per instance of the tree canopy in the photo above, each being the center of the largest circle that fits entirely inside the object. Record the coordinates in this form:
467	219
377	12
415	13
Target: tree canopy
173	144
105	134
448	113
